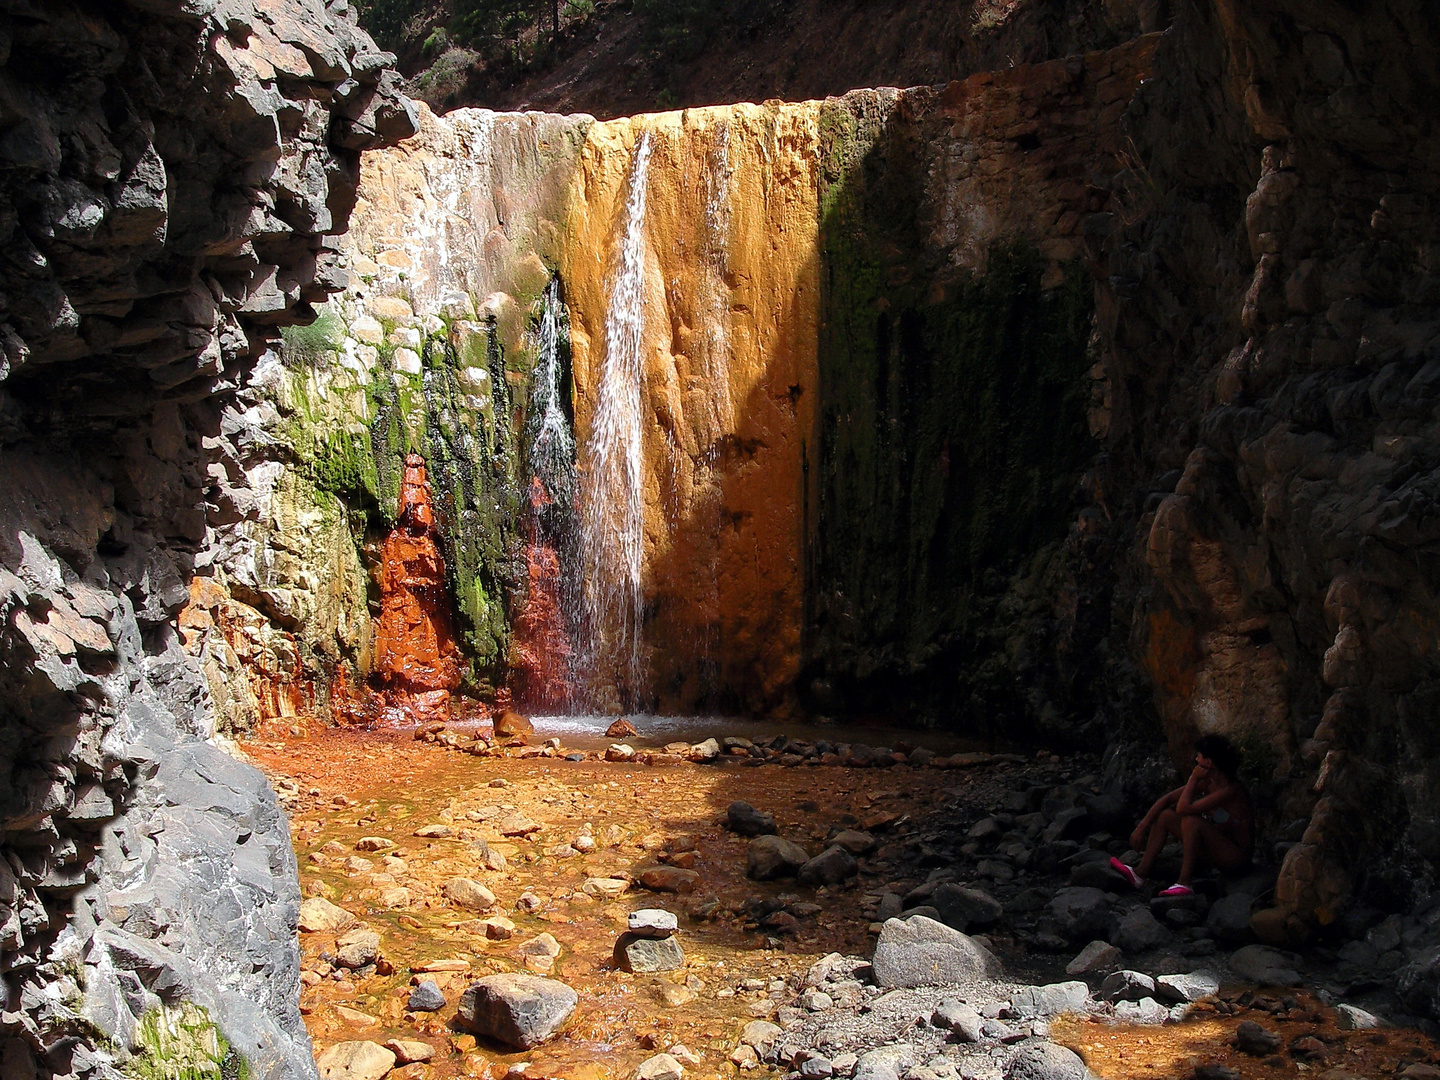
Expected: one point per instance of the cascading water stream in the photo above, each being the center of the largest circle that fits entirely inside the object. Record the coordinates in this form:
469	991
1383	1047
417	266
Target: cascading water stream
611	504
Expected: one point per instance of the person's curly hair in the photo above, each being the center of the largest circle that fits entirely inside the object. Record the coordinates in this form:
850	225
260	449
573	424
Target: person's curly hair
1222	752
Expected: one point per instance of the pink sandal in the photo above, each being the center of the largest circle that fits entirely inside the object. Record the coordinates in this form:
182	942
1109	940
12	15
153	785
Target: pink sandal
1178	890
1135	880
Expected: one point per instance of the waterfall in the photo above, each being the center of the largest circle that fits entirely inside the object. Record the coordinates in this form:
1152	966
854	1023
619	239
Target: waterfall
612	503
552	449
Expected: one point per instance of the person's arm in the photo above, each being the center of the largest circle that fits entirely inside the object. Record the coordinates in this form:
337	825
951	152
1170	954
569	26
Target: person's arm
1137	838
1190	805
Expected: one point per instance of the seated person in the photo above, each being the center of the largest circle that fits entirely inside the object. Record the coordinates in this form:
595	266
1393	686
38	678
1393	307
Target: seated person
1212	817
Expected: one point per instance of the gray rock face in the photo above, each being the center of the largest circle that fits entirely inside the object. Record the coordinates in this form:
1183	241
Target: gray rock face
172	199
922	952
643	954
516	1010
772	857
1045	1061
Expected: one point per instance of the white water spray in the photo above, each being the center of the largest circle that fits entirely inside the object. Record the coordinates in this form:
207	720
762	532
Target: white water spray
611	506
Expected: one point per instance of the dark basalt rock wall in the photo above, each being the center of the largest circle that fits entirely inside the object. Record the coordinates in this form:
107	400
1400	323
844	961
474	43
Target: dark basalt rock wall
1269	325
172	175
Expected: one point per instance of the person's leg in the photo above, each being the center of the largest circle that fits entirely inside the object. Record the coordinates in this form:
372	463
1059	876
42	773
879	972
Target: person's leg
1202	838
1166	826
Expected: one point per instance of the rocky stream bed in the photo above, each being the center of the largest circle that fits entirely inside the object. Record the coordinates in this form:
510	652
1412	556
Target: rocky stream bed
885	913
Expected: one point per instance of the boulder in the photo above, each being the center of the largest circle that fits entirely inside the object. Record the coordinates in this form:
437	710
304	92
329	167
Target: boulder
426	997
357	948
1187	988
410	1051
653	923
1096	958
1264	966
958	1018
1127	986
1053	999
621	729
772	856
1139	931
520	1011
355	1061
660	1067
744	819
1045	1061
1081	912
669	879
854	841
922	952
320	916
963	907
510	723
465	893
642	953
1351	1018
830	867
705	752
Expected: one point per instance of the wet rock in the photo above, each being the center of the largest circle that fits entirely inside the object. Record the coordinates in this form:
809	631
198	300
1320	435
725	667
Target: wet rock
1264	966
1081	912
653	923
318	916
1127	986
1045	1061
373	843
619	752
770	856
497	928
922	952
355	1061
1252	1039
745	820
964	907
426	997
705	752
529	902
660	1067
669	879
831	867
621	729
539	945
357	948
959	1018
516	1010
517	824
637	953
1095	958
1139	931
437	831
1187	988
469	894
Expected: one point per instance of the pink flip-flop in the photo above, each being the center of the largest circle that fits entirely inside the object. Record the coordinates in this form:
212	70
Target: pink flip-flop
1127	873
1178	890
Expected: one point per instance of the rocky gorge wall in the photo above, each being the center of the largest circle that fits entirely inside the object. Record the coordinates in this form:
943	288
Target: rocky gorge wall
172	176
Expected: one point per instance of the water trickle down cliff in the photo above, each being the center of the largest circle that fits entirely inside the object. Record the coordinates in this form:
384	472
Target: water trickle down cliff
611	501
418	662
541	650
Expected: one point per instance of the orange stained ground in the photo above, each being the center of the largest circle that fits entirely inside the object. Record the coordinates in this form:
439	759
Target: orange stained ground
386	784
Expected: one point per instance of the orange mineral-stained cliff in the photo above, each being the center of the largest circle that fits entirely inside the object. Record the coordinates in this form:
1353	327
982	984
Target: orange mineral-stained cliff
417	660
541	651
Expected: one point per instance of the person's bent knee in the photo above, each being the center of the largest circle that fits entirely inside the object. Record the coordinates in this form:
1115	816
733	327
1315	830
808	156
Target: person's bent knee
1191	825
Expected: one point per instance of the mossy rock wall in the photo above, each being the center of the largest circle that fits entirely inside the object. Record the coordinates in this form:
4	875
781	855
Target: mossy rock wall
952	432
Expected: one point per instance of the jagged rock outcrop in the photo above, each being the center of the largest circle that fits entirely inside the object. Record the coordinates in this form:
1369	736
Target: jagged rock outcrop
172	175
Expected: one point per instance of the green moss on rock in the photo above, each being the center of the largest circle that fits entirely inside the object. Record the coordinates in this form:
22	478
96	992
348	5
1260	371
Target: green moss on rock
183	1044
